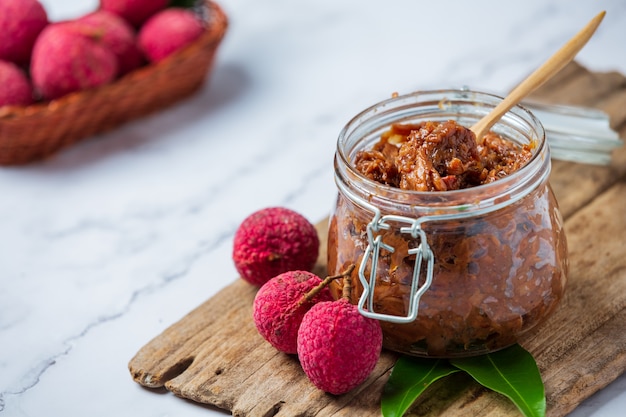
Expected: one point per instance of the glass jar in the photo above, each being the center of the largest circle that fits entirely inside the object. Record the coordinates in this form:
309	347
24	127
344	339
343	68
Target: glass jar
452	273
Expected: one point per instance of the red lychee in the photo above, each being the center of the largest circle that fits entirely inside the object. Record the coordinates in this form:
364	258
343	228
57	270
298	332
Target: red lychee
116	34
135	12
272	241
15	88
167	32
281	303
338	347
21	21
67	58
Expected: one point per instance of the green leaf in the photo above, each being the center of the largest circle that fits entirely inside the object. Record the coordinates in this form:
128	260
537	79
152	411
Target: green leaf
409	378
183	3
512	372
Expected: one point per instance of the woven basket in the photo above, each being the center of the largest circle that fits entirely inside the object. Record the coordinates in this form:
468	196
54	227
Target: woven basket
34	132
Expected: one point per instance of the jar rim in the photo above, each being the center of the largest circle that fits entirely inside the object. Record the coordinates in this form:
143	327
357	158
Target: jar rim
483	102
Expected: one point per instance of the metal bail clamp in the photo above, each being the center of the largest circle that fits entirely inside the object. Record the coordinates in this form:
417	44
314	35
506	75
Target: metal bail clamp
422	252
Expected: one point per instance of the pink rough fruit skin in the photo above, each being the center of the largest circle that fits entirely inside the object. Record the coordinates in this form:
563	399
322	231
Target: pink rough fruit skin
280	305
66	59
167	32
272	241
15	88
21	21
338	347
116	34
135	12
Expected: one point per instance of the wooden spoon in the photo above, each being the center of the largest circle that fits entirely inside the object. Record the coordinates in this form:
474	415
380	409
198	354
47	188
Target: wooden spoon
542	74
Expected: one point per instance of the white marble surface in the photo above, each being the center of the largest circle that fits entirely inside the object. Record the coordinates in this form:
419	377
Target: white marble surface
105	245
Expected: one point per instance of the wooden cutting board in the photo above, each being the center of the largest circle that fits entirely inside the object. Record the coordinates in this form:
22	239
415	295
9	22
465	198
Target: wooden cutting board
214	355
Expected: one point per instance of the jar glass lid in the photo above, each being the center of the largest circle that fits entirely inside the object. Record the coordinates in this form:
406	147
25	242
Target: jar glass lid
578	134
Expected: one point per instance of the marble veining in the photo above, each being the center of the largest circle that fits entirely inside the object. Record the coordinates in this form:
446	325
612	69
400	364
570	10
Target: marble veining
106	244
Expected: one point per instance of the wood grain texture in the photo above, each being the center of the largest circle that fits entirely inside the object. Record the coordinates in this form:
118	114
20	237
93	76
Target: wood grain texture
214	354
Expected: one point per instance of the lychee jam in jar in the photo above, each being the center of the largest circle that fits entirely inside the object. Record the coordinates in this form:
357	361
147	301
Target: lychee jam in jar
455	255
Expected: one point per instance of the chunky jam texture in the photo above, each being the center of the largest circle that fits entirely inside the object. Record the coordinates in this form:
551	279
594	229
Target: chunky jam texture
495	276
439	156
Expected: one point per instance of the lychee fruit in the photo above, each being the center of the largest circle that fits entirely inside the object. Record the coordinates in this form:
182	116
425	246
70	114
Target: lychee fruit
272	241
21	21
15	88
67	58
135	12
338	347
281	303
116	34
167	32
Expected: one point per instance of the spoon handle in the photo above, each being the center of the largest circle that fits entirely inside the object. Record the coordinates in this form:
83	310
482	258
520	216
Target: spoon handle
542	74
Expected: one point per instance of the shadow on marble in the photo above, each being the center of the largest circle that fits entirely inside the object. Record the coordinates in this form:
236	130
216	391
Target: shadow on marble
228	84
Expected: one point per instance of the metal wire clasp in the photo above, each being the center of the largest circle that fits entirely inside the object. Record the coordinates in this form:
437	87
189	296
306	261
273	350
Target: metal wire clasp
422	252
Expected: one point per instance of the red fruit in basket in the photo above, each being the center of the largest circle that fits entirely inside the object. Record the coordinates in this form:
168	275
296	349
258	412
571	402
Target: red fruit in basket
167	32
21	21
281	303
15	88
67	58
338	347
272	241
135	12
118	36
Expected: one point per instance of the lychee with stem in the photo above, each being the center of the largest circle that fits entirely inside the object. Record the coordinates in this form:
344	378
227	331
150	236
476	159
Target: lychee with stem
15	88
281	303
338	347
21	21
167	32
274	240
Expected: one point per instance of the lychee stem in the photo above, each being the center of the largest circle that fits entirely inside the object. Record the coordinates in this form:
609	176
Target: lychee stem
311	294
346	291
